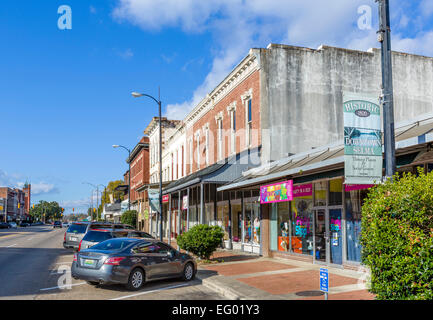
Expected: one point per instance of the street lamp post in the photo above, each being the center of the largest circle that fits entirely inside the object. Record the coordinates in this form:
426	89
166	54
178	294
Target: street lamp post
97	191
102	206
129	174
387	100
158	101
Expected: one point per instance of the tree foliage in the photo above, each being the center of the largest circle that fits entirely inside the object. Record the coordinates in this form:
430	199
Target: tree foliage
130	217
52	210
397	237
202	240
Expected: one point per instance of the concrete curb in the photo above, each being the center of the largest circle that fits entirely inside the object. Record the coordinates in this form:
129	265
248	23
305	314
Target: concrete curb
228	293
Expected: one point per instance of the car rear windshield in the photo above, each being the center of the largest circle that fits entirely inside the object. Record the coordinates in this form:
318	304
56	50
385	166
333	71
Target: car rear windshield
101	226
113	244
97	236
77	228
57	222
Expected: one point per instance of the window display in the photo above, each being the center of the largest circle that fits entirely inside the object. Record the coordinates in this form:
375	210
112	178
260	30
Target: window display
302	224
354	200
283	222
237	222
223	219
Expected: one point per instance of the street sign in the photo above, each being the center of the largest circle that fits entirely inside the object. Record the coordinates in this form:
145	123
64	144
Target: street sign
324	282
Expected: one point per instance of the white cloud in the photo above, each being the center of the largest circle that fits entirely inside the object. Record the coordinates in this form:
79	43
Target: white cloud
426	8
237	25
41	188
125	54
17	181
422	44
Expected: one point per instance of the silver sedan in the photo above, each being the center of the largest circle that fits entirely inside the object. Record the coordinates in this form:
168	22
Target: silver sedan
131	262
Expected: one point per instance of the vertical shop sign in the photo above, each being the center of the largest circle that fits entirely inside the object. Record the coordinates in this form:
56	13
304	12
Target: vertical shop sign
362	139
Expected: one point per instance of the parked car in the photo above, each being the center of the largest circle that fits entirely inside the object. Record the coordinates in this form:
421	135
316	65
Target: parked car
13	225
39	223
74	234
57	224
96	236
24	224
131	262
65	224
4	225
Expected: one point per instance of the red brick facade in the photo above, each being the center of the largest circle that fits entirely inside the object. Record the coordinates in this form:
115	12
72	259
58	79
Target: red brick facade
234	98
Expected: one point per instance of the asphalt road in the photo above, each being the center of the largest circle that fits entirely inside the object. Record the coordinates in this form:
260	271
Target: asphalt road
34	265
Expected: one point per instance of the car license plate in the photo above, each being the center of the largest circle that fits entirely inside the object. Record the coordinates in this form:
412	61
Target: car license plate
89	262
73	238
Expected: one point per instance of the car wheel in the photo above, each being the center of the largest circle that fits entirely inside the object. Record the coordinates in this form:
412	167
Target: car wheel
136	279
93	283
188	272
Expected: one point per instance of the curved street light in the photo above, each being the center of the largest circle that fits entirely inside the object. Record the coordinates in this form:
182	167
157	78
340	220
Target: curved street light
158	101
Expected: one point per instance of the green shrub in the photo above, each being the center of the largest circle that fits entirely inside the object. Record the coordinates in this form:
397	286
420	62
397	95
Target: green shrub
397	237
202	240
129	217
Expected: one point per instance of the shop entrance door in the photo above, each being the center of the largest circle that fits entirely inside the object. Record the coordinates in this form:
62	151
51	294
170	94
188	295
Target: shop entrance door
327	236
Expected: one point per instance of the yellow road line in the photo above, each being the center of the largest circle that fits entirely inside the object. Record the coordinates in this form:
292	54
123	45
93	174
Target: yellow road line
8	235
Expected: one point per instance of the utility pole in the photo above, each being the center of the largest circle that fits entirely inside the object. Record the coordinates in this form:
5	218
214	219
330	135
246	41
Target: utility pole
387	98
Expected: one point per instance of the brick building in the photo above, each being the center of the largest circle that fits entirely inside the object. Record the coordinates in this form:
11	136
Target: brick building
15	203
277	116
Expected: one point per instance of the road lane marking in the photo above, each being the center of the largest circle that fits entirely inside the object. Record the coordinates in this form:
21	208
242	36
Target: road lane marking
65	286
13	245
151	291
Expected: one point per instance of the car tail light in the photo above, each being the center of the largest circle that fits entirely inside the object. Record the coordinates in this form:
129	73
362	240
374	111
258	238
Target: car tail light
75	257
64	238
79	246
115	261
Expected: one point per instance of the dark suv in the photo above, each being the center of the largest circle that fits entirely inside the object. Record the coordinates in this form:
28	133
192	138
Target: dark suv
77	230
57	224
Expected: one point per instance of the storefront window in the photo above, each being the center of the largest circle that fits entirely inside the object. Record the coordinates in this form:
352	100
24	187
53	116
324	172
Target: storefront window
209	214
283	223
248	223
223	219
256	223
183	221
320	193
354	200
302	224
237	222
336	192
192	217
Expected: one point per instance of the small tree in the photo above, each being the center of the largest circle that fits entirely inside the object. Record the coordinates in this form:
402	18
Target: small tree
130	217
202	240
397	237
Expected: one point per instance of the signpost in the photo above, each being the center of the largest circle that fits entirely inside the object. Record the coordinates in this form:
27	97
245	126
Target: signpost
324	282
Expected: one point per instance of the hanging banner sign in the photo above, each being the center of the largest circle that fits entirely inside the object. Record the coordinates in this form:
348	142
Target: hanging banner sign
185	203
278	192
165	198
362	139
154	199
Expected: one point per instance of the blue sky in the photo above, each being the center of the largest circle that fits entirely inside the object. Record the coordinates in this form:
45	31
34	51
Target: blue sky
65	94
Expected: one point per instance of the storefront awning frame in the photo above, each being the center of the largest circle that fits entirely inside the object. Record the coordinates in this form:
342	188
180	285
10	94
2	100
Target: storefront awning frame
409	134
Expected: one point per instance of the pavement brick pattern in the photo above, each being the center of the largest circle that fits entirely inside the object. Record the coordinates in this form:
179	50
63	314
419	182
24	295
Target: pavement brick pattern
266	278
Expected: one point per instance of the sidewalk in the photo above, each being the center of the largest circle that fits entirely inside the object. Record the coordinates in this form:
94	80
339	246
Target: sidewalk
248	277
